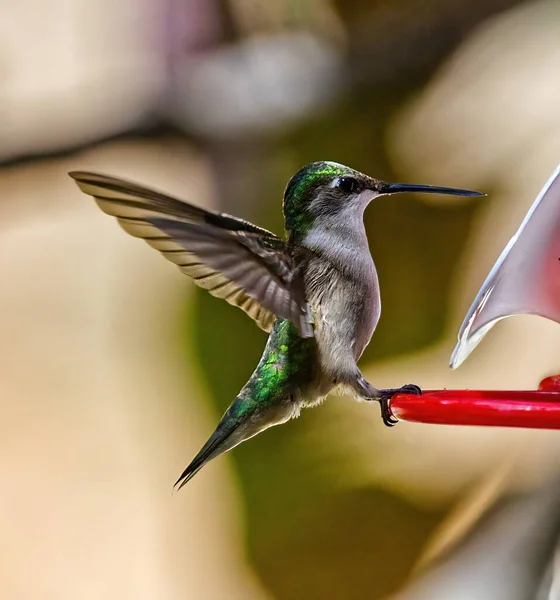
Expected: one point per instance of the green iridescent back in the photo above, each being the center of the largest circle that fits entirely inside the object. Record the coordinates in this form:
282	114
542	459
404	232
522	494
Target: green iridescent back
288	362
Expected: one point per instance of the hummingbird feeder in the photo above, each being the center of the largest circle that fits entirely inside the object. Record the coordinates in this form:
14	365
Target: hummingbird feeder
524	280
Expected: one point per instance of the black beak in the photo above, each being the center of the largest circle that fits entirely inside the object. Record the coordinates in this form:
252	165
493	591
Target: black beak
395	188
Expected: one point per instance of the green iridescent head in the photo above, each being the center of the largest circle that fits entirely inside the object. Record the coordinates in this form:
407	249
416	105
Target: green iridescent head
318	187
325	192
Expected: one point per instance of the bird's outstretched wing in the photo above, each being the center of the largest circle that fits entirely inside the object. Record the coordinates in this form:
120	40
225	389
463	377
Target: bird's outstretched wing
233	259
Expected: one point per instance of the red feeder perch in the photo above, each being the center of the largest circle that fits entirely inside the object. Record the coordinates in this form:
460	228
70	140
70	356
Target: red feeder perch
537	409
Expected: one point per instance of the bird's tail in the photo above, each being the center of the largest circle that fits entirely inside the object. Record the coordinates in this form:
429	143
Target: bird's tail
223	439
244	419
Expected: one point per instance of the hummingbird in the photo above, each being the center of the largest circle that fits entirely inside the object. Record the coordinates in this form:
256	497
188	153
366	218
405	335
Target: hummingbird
315	291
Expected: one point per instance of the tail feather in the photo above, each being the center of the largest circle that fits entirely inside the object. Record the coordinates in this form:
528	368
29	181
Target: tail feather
219	442
244	419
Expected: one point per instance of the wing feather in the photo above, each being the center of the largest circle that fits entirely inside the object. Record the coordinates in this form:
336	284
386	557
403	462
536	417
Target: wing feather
233	259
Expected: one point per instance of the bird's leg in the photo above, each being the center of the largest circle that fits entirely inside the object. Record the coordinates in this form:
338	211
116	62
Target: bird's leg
368	392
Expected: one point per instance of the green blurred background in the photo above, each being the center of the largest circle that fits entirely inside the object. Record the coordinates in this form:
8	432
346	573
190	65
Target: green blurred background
116	369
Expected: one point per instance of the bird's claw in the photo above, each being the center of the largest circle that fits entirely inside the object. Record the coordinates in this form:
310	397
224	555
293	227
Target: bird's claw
388	419
410	388
385	397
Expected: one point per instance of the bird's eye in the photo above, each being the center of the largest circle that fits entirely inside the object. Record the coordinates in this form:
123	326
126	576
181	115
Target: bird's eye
350	185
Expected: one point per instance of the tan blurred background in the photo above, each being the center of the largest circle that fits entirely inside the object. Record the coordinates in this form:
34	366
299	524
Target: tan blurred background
115	369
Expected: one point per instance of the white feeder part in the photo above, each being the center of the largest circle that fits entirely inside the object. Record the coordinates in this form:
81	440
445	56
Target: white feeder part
525	279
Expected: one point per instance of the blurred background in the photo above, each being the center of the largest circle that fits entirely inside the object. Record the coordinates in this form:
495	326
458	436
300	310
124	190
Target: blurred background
115	369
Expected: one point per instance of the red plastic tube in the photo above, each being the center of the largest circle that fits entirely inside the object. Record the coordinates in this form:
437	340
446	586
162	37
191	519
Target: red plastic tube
537	409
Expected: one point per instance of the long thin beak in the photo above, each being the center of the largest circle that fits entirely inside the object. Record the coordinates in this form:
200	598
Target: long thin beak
395	188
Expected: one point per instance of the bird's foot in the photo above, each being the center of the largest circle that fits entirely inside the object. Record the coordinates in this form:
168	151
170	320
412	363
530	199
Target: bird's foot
409	388
368	392
385	398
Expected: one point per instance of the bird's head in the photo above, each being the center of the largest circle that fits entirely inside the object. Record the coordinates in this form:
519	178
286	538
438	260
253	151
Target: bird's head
324	193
